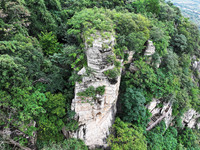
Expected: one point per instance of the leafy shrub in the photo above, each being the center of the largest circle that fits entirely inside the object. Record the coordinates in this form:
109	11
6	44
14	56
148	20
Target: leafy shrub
49	43
126	136
112	73
12	72
187	138
134	110
55	118
88	22
162	138
92	92
69	144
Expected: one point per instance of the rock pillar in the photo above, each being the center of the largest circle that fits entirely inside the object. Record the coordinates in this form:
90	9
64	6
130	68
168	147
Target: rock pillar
95	117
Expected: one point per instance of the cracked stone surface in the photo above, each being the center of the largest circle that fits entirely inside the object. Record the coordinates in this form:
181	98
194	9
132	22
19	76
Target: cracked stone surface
150	50
189	118
96	117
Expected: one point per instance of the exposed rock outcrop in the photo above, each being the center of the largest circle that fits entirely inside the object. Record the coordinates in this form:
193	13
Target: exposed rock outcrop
195	63
189	118
198	126
130	57
152	57
150	50
159	114
95	117
153	104
133	68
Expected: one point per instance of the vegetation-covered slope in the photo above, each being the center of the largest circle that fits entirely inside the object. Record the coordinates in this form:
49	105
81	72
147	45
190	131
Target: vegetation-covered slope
190	9
42	49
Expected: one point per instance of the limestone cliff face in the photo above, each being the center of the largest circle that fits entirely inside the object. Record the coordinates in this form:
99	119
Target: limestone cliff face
95	117
189	118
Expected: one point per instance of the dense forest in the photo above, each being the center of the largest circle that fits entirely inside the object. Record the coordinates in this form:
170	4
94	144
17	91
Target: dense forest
42	49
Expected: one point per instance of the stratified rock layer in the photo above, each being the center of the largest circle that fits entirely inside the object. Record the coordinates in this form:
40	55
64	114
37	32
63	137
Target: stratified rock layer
96	116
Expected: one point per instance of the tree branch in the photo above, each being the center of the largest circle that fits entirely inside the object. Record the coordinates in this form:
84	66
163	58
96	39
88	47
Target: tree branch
11	141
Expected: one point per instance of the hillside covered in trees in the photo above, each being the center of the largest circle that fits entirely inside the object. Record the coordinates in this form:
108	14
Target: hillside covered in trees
43	47
190	9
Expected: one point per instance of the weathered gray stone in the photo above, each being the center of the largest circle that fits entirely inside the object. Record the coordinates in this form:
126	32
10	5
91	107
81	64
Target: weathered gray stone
155	111
158	114
82	71
150	50
195	64
132	68
152	104
189	118
188	115
192	123
168	117
96	117
130	57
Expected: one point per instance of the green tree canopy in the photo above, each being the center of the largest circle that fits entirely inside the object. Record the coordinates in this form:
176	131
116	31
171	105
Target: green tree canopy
126	136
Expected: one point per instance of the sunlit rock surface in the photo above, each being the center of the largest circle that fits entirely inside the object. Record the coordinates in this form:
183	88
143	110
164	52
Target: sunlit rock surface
96	116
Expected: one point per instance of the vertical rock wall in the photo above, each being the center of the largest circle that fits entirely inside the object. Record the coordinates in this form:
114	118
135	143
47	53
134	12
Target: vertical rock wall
96	117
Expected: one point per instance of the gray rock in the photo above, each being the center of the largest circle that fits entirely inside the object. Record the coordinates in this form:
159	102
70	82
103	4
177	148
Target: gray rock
96	117
130	57
152	104
192	123
198	126
82	71
159	114
189	118
188	115
150	50
132	68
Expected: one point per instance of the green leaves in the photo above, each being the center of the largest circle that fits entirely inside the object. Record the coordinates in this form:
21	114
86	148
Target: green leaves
12	73
49	43
91	92
88	22
126	136
56	104
134	110
51	122
188	138
112	73
180	43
